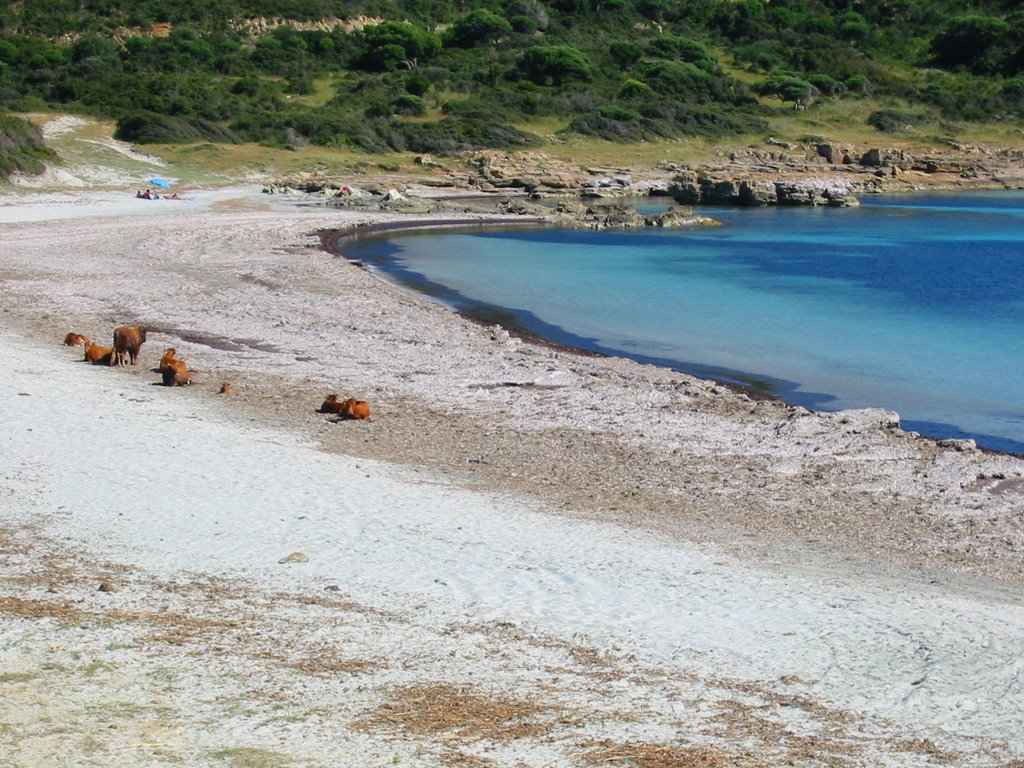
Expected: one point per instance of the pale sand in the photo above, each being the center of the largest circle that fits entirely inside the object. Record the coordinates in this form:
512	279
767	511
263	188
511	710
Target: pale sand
653	561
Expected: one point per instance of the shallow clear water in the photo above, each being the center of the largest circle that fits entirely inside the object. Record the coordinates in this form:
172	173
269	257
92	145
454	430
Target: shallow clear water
912	303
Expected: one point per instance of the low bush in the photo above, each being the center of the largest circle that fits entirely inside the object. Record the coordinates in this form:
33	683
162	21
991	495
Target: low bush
21	147
450	136
896	121
153	128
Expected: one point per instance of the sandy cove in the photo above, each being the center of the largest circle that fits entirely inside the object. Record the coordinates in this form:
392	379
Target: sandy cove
528	556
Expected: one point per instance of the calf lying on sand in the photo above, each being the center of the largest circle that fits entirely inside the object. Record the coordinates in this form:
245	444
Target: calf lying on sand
347	409
176	374
98	355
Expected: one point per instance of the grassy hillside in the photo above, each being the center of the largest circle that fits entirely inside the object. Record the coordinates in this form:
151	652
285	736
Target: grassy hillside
442	77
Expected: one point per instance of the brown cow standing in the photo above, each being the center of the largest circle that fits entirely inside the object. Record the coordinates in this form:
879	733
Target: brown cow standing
74	339
98	355
176	374
128	341
347	409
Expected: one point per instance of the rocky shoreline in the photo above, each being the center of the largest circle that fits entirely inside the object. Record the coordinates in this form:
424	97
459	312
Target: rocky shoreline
780	174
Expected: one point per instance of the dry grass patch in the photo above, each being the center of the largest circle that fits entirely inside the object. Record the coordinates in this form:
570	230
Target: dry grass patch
936	753
639	755
459	711
332	663
328	600
29	608
318	661
740	721
174	628
9	543
250	757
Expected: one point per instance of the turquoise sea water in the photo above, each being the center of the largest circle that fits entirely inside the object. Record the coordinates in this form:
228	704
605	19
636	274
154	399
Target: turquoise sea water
911	303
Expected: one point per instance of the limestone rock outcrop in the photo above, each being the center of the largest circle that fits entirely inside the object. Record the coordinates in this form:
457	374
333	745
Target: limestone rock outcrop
689	189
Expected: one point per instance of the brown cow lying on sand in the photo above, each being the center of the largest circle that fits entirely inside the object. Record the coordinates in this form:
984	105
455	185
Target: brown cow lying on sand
128	340
356	409
98	355
170	355
74	339
176	374
226	389
347	409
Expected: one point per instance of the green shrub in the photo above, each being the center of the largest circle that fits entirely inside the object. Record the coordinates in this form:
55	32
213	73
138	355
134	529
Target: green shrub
619	114
449	136
625	54
387	45
407	104
21	147
678	48
895	121
555	64
982	44
417	84
153	128
478	27
635	89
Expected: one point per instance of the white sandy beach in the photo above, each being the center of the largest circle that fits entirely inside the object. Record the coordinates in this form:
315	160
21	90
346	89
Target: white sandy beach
527	558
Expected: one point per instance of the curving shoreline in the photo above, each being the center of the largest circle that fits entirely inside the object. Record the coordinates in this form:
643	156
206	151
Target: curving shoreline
690	457
333	240
741	382
517	525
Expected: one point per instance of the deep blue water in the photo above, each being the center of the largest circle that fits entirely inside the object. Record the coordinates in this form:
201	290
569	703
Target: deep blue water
912	303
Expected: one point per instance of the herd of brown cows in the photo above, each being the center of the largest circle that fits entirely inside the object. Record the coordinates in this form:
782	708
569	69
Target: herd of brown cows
127	341
174	372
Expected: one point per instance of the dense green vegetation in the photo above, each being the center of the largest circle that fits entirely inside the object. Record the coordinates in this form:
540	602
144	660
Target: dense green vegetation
21	147
442	76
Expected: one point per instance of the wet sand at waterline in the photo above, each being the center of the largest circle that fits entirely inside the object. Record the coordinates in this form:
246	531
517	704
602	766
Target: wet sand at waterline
527	556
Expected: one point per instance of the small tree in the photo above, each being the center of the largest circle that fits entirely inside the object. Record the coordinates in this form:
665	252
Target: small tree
479	27
788	87
800	92
826	85
625	54
395	43
556	64
527	16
